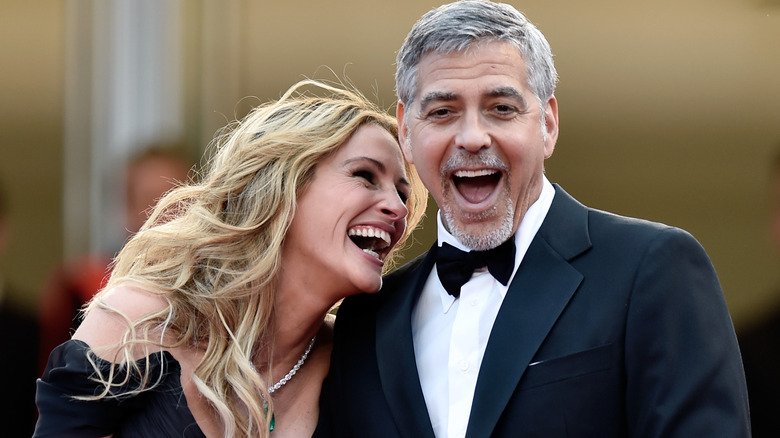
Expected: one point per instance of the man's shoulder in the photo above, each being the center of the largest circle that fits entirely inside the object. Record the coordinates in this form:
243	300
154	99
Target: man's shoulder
628	224
637	235
617	231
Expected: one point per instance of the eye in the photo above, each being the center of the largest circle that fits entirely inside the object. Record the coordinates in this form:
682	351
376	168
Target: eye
364	174
504	109
404	196
439	113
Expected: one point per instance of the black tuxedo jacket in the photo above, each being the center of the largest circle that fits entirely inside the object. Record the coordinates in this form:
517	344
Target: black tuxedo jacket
612	327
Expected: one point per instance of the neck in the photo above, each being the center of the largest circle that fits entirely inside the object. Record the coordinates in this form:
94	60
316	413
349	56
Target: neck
297	319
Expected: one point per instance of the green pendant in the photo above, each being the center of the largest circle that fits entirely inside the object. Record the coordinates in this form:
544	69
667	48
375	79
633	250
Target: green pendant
273	417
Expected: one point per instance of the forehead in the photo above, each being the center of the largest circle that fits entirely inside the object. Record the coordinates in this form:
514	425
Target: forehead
372	142
482	67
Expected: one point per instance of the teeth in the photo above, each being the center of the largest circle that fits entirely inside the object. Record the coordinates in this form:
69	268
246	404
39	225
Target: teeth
370	232
373	253
474	173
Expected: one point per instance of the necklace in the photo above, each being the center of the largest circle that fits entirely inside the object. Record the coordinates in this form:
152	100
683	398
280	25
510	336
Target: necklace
294	369
286	379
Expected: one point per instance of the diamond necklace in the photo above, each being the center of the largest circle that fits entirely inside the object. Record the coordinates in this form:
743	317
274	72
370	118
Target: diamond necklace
294	369
286	379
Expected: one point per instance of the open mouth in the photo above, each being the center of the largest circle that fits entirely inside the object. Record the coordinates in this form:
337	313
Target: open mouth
371	240
476	186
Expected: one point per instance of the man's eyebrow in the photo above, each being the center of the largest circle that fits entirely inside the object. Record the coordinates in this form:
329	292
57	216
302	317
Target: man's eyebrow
436	96
507	92
504	92
445	96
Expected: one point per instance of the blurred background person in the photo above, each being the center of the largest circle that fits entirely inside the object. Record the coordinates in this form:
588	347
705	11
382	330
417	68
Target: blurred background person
18	340
148	176
760	342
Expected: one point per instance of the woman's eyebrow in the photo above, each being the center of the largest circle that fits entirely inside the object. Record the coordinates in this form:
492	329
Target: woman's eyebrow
376	162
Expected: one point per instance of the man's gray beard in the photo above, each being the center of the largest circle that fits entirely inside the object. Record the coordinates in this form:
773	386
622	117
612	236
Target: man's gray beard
492	238
483	241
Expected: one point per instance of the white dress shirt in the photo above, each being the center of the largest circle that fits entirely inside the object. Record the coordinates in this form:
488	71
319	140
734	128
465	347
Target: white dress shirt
450	339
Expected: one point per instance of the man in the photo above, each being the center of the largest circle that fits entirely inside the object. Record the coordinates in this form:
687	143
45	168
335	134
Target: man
598	326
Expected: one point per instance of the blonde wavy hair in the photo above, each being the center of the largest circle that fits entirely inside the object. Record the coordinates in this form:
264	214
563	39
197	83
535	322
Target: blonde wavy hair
212	248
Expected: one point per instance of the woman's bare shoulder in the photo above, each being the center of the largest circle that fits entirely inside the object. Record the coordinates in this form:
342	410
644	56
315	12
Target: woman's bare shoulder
109	317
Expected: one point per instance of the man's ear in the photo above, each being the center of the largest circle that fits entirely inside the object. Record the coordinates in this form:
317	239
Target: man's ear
550	126
403	132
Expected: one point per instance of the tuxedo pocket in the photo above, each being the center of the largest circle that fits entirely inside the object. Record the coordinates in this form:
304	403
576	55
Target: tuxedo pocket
580	394
571	366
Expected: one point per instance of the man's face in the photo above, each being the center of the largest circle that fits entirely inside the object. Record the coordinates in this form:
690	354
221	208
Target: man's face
476	137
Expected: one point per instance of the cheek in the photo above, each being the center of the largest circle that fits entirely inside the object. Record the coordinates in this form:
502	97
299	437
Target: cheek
430	141
527	152
316	211
431	178
428	158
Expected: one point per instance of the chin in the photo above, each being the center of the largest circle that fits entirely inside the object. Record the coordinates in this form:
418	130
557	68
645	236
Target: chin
483	235
373	290
368	286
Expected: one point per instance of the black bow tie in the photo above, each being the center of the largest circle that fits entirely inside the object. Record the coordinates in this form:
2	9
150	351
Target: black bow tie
455	267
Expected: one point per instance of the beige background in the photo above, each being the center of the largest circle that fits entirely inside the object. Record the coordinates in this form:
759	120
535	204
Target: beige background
670	110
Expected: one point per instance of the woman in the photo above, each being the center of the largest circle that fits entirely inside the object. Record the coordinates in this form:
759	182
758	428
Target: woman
212	322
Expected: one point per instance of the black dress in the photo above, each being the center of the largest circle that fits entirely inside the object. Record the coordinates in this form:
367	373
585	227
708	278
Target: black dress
158	412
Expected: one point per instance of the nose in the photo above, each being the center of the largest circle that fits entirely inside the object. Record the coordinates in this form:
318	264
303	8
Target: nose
472	135
392	205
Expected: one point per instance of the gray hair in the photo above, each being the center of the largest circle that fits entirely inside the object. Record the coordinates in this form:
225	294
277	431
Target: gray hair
457	26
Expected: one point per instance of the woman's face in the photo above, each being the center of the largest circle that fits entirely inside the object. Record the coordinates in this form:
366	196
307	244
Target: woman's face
349	217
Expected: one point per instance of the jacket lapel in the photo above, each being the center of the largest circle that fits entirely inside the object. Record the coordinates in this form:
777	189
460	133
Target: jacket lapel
541	289
395	349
